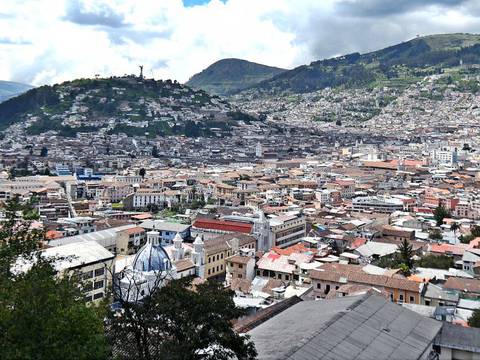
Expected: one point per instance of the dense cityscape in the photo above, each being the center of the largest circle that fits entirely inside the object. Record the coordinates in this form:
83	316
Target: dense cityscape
330	211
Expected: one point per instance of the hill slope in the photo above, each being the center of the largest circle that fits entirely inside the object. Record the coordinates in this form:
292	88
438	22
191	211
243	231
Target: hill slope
401	64
9	89
228	76
129	105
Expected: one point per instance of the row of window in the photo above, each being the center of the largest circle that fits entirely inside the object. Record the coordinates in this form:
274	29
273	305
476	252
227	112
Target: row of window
212	270
94	297
90	274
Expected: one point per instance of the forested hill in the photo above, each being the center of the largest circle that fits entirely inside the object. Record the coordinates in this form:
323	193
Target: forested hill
129	105
400	64
228	76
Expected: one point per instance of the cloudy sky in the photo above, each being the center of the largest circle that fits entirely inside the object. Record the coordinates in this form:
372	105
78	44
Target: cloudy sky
48	41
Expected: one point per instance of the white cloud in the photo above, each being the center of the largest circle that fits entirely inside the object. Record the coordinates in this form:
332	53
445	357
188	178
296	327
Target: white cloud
48	41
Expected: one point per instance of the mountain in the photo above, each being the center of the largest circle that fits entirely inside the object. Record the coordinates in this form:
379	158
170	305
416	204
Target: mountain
228	76
9	89
116	105
397	65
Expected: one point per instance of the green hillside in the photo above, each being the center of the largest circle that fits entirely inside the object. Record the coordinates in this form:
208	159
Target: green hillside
129	105
397	65
228	76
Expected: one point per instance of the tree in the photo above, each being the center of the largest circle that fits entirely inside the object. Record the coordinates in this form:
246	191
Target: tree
436	262
439	214
44	152
154	152
179	322
474	320
42	315
142	173
435	234
475	230
454	227
406	253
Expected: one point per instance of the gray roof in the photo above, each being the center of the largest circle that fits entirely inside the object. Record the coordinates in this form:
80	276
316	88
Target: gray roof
106	237
436	292
459	337
161	225
357	327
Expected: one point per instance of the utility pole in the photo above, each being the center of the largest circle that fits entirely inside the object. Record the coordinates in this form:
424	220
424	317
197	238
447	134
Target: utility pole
141	71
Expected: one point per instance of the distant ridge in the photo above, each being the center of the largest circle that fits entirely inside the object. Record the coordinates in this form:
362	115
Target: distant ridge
400	65
229	76
9	89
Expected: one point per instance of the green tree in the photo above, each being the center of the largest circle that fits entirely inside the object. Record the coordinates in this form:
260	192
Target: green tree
178	322
475	230
435	234
405	250
454	227
436	262
154	151
42	315
474	320
439	214
44	152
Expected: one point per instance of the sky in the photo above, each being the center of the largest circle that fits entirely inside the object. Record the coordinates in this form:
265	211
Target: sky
50	41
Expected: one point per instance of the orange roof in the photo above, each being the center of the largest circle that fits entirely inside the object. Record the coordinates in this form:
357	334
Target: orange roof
142	216
457	249
297	248
134	230
53	234
418	279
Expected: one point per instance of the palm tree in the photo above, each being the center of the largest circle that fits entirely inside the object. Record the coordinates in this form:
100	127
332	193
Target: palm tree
454	227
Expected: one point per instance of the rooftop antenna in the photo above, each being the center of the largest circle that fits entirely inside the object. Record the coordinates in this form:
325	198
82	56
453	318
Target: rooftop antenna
141	71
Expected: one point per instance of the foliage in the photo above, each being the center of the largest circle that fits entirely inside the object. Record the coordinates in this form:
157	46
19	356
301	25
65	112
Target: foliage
392	261
435	234
177	322
404	269
228	76
406	253
465	239
439	214
42	315
475	230
436	262
474	320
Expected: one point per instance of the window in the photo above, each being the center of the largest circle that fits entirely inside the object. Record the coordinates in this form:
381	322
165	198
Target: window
287	277
319	285
427	302
239	276
391	297
98	296
240	266
221	256
209	271
221	267
98	284
88	299
400	298
88	275
279	276
412	299
101	271
336	287
88	286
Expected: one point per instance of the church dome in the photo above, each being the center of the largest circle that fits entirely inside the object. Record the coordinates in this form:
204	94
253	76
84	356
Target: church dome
152	258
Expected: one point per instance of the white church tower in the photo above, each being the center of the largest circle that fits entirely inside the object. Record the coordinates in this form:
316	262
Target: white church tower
178	250
198	256
261	230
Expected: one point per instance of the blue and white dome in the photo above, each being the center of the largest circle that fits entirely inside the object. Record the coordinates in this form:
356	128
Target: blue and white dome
152	256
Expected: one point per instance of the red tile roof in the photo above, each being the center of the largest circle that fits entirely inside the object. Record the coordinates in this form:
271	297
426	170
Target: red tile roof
223	225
